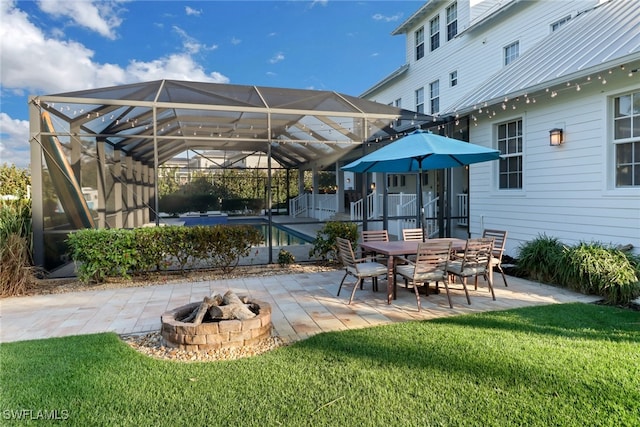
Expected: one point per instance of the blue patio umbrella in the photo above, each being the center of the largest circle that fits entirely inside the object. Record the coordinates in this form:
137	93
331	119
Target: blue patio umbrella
419	151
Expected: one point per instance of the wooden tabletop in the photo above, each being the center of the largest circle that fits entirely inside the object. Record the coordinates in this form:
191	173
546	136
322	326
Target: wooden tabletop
402	247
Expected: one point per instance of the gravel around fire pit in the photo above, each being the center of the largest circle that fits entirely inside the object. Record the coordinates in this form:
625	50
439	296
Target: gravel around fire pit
151	345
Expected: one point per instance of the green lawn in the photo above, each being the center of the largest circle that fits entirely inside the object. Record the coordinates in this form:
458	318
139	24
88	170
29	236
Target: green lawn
561	365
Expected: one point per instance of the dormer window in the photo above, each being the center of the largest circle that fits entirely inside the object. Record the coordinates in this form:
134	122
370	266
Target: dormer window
556	25
511	53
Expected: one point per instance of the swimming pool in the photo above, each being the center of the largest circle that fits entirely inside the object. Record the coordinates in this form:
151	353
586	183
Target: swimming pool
280	234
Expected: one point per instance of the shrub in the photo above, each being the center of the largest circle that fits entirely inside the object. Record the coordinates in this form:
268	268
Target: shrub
541	258
111	252
151	252
230	242
324	245
590	268
16	267
103	253
285	258
593	268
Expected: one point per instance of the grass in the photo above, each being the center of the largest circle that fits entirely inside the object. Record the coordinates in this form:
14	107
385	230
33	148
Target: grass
569	365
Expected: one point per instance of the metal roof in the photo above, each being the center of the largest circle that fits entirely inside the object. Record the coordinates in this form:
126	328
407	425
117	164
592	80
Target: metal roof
297	127
596	40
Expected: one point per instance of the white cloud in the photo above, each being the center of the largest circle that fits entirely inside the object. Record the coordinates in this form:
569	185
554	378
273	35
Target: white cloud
278	57
14	141
99	16
386	18
177	67
192	12
235	41
190	44
64	65
67	65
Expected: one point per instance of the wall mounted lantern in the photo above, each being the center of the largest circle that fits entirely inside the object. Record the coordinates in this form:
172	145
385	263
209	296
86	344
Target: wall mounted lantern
556	137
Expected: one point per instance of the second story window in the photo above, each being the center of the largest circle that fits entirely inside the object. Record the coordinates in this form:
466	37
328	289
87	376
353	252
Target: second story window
452	21
434	96
420	100
511	53
398	104
453	78
434	31
420	43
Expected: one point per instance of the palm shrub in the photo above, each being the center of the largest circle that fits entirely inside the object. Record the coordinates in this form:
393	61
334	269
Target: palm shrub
16	267
324	245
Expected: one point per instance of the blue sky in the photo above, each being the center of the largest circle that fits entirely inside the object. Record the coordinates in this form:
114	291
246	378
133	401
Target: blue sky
54	46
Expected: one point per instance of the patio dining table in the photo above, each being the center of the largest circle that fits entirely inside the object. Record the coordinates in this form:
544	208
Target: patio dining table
402	248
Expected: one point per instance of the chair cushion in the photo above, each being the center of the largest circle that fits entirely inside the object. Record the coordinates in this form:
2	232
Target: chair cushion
431	276
455	267
369	268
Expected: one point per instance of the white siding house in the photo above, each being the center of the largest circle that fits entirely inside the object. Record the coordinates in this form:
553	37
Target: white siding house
516	70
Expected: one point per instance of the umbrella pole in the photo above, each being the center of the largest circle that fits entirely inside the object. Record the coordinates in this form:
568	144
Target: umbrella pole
421	203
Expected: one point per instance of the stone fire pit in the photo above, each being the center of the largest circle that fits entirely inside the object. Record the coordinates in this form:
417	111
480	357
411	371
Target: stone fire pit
215	333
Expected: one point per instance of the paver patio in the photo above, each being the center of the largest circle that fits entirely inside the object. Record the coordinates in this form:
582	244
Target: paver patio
302	304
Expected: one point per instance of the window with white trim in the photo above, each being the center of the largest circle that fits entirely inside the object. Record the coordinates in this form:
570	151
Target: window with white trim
559	23
626	139
509	142
398	104
419	37
511	52
434	96
453	78
452	21
434	32
420	100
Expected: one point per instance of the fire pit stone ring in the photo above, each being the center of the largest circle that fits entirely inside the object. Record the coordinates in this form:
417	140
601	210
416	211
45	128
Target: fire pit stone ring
215	334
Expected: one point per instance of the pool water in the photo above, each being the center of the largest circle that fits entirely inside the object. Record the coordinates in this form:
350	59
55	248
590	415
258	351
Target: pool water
280	235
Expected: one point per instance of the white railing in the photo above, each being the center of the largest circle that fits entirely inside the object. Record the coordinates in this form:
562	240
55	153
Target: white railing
404	205
430	213
463	209
326	206
298	205
356	208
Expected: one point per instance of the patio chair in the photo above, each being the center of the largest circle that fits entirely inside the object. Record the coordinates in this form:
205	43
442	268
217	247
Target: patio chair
474	262
374	236
430	265
359	268
499	240
413	234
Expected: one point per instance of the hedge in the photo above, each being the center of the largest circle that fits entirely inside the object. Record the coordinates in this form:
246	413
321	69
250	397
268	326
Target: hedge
124	252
